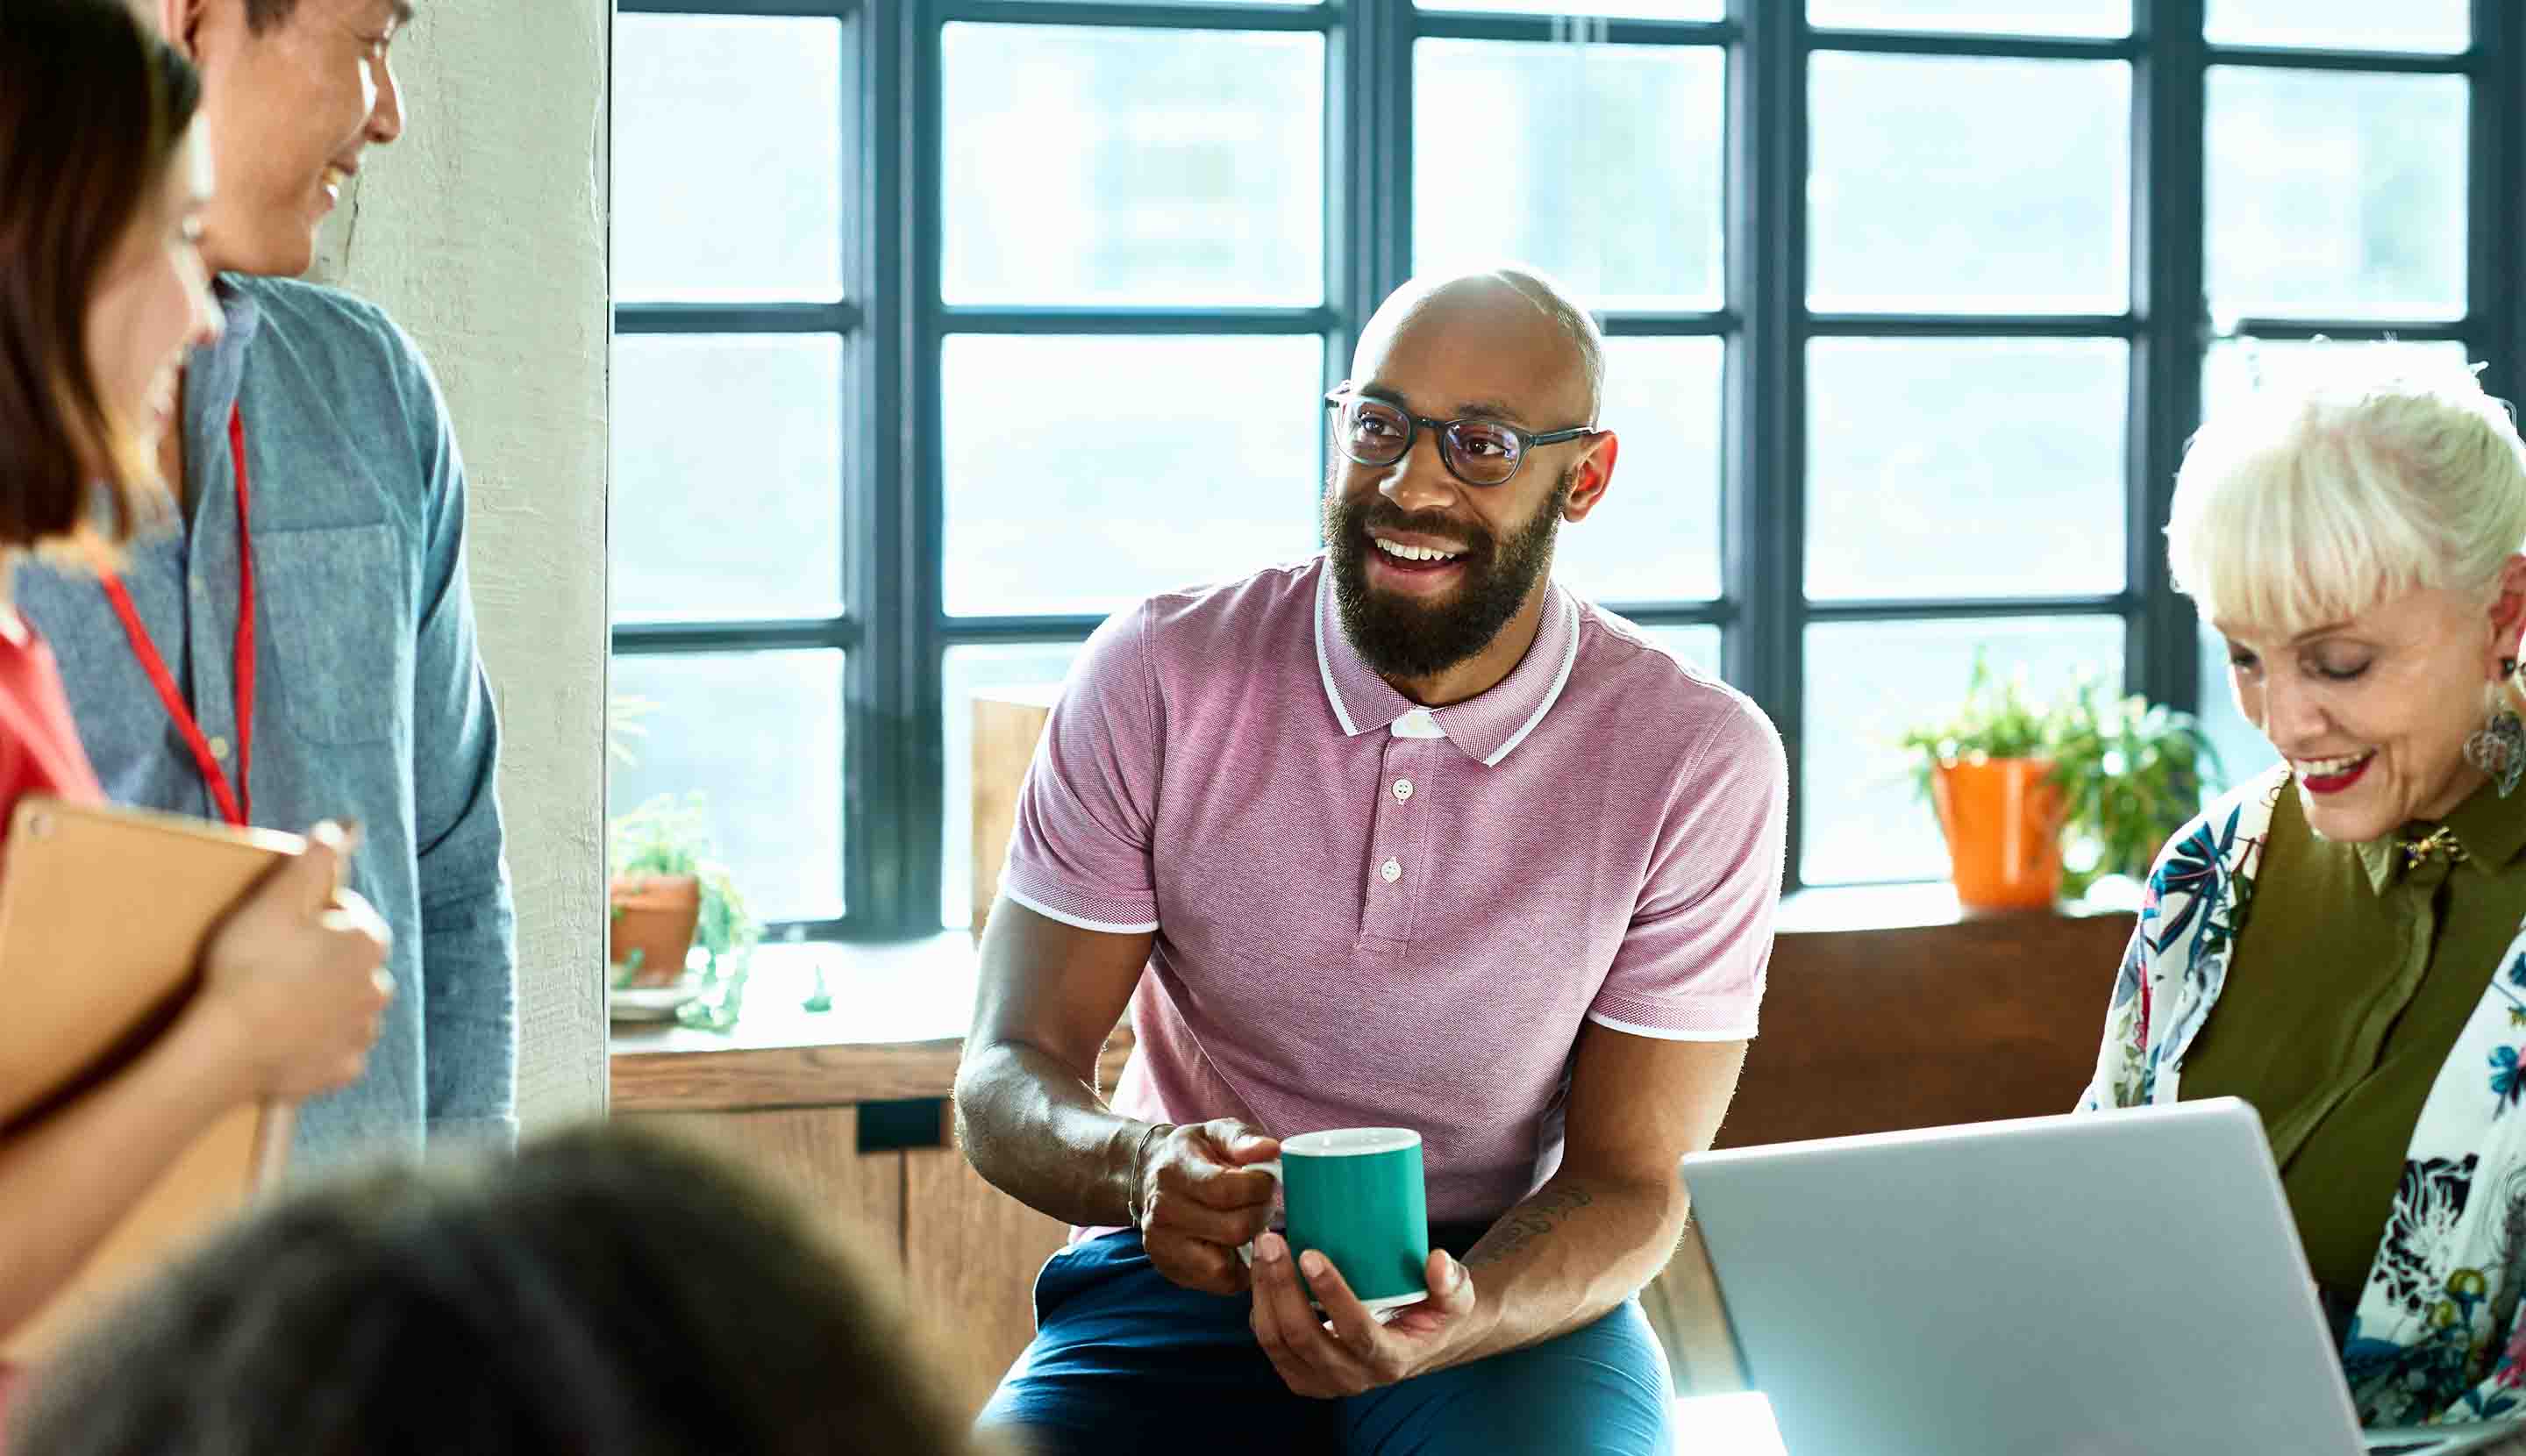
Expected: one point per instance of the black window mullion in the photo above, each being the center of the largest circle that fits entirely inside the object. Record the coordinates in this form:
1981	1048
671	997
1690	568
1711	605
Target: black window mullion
1969	609
912	898
1972	326
2495	189
1972	47
650	639
2161	656
738	317
1763	493
888	572
1718	614
2296	58
1373	248
1640	324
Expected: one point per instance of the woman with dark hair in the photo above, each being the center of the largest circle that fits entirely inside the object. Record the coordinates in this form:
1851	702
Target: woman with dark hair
101	182
602	1291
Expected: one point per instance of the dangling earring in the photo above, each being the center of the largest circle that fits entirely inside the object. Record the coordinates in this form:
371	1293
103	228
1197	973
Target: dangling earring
2498	747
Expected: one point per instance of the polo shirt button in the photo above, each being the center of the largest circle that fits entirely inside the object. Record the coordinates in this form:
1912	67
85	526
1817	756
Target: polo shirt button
1392	870
1403	790
220	749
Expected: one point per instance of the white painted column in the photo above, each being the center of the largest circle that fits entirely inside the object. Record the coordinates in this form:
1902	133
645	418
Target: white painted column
483	233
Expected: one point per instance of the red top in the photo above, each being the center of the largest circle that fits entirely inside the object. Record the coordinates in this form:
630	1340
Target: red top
39	754
39	747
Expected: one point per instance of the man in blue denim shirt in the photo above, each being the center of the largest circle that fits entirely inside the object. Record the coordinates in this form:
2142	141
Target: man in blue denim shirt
369	699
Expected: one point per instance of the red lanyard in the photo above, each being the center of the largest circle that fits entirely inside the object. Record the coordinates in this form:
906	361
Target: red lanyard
231	797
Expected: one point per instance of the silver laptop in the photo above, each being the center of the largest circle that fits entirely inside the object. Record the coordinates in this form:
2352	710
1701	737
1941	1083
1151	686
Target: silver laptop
2123	1283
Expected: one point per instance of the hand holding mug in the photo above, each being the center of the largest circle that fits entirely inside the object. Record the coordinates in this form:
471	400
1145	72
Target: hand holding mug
1198	1193
1353	1297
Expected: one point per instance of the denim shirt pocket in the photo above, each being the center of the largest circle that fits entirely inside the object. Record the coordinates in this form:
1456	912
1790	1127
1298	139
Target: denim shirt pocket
335	602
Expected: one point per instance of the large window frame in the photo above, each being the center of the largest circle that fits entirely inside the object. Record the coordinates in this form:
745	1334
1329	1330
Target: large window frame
893	326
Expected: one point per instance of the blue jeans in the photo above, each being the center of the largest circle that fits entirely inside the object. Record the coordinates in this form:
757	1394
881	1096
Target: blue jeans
1123	1361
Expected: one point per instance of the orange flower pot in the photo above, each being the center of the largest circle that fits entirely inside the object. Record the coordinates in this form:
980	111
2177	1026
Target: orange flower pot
655	916
2002	820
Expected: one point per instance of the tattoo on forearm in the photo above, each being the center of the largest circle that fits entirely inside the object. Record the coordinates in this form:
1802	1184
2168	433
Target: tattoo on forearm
1530	1220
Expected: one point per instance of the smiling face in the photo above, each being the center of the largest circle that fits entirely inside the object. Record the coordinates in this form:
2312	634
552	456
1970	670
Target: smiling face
153	299
291	107
1429	572
2372	713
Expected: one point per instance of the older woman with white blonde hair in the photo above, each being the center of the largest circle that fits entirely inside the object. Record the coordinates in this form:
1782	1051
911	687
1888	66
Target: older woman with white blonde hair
2339	940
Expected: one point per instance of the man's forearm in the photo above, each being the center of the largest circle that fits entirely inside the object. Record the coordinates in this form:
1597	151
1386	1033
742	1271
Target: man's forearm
1040	1134
1572	1251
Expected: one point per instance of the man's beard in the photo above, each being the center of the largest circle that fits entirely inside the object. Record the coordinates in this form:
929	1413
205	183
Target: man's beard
1401	637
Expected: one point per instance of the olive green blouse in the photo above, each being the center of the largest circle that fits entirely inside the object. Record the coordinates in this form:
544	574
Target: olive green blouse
2356	969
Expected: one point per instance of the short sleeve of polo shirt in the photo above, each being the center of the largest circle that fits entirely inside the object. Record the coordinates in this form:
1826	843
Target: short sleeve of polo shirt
1080	850
1691	965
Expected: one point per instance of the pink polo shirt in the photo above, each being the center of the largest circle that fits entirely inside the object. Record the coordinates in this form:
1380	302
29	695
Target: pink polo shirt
1368	913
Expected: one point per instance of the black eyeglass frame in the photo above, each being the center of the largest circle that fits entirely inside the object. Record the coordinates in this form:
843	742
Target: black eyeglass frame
1413	425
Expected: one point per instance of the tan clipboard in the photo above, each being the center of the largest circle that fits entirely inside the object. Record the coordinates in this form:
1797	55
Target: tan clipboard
103	916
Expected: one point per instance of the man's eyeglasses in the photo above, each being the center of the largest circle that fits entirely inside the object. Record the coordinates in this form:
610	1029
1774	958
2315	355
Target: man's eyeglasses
1477	452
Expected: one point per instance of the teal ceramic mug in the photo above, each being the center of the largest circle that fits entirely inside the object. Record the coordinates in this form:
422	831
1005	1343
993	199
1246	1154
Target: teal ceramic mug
1355	1195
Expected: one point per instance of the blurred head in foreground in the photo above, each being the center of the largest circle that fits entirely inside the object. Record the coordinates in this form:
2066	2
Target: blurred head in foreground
602	1292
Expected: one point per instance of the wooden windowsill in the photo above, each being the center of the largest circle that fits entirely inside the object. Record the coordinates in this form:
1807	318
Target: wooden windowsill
895	1030
899	1011
1910	906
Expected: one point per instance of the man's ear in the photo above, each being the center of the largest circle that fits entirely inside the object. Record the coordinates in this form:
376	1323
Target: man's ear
1595	476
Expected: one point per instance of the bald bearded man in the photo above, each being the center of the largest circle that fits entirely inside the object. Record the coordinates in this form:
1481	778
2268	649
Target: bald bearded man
1402	835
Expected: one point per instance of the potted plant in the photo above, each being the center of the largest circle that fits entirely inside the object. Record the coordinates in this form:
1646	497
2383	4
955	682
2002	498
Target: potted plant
655	890
2131	773
670	895
2110	775
1989	771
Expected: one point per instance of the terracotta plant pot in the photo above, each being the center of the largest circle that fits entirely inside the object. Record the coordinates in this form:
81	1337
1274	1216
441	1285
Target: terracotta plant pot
2002	820
655	916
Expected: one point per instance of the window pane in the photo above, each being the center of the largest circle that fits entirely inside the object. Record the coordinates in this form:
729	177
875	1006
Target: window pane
969	671
760	734
1599	164
2438	25
727	159
2233	366
1085	473
2244	751
1978	16
1123	167
1866	684
1918	163
716	437
1656	535
2336	196
1617	10
1698	645
1915	445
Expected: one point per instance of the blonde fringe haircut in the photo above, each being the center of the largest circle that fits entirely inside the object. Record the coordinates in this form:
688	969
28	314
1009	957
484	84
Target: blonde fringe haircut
2352	478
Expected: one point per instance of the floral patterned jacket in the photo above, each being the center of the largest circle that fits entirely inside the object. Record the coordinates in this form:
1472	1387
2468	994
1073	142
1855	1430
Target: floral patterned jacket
2436	1337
